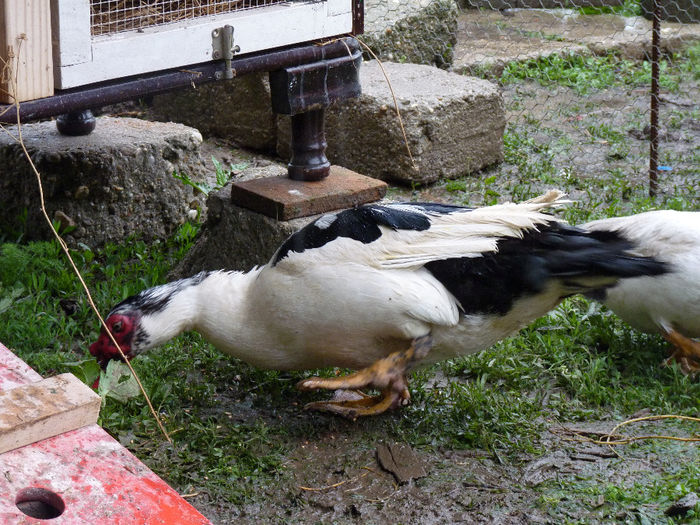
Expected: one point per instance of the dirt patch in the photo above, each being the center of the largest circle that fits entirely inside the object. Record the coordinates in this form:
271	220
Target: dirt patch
337	478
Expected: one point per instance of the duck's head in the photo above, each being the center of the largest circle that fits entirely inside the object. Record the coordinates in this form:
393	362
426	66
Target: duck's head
124	326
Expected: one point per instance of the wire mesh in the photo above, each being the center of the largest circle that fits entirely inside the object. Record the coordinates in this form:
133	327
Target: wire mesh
115	16
575	76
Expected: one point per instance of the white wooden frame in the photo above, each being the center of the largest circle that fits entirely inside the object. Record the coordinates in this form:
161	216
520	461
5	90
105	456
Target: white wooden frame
82	59
25	51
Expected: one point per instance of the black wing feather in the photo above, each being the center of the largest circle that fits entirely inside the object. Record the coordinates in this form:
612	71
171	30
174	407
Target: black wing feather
521	267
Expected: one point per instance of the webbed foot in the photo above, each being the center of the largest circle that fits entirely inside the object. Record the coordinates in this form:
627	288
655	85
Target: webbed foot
388	375
686	353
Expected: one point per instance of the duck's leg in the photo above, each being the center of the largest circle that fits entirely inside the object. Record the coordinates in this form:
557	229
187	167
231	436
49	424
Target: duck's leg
387	375
686	353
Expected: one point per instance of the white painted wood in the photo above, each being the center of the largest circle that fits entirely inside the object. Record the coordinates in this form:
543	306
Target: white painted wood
25	50
189	42
71	25
36	411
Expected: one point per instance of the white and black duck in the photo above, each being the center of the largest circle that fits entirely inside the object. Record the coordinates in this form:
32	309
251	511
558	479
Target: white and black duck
380	289
668	303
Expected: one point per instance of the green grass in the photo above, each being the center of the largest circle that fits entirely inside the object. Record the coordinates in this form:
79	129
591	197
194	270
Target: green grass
234	426
576	364
586	74
628	8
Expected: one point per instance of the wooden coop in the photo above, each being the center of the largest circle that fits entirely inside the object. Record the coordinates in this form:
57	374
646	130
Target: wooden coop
62	58
63	44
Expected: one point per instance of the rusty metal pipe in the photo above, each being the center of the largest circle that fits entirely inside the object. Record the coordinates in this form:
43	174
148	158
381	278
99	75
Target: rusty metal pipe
97	95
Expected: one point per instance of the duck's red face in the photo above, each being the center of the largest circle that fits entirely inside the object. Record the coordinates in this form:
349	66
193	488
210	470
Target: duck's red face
122	328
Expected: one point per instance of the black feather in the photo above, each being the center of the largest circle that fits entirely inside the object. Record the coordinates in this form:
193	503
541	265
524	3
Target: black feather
157	298
522	267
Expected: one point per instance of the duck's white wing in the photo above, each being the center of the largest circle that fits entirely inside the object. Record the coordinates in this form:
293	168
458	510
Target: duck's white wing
410	235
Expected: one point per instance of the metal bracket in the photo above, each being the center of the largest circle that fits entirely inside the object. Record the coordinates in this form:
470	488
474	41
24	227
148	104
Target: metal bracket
223	48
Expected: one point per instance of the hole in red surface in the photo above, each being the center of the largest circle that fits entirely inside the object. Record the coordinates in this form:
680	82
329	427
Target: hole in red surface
40	503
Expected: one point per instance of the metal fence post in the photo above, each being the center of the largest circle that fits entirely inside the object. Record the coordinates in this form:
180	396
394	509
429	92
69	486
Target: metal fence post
654	124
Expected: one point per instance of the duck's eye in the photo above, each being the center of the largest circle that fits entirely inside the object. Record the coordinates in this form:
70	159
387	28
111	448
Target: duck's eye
117	327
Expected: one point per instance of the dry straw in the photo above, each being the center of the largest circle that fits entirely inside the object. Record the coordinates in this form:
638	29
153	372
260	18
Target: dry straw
393	96
613	438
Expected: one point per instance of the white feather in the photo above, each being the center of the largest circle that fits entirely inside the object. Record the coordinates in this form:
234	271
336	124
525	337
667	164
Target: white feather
664	302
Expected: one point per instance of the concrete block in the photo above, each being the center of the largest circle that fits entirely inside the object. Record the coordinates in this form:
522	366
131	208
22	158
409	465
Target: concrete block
239	110
417	31
454	125
234	237
488	40
103	186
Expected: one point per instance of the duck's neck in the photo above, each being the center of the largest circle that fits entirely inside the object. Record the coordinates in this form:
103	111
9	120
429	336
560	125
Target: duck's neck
212	303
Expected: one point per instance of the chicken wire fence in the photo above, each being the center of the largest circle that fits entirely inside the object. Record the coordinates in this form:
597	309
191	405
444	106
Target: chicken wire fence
576	78
116	16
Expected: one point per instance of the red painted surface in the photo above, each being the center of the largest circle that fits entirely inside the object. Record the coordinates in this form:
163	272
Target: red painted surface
13	371
99	481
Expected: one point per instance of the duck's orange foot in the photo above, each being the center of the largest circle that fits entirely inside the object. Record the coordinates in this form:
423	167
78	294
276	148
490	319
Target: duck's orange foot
364	406
387	375
686	353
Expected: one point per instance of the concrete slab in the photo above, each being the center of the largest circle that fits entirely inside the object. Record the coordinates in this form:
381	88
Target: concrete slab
537	4
487	40
686	11
104	186
283	198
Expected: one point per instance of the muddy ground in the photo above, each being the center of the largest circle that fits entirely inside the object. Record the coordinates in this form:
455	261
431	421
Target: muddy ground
336	477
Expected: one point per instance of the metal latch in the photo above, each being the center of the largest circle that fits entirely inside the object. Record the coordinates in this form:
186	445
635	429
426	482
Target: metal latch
223	48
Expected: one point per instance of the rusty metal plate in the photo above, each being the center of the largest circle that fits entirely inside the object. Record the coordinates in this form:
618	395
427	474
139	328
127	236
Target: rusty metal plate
283	198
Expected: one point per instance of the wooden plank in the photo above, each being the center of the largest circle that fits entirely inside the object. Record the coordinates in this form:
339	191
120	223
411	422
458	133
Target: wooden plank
25	50
97	479
189	42
49	407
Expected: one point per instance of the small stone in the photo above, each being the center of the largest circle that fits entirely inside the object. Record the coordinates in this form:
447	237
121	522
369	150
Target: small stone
683	505
64	220
81	192
401	461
